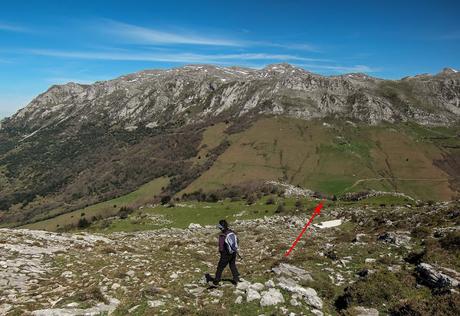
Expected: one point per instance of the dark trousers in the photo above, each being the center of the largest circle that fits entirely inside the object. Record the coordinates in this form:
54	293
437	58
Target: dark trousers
230	259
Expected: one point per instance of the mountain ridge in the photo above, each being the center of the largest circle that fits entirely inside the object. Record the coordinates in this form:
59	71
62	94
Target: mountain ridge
77	145
144	96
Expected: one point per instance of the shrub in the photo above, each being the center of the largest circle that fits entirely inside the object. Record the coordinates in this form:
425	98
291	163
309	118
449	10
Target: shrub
251	199
382	287
298	204
124	212
92	293
165	199
436	305
280	208
213	198
451	241
83	223
421	232
270	201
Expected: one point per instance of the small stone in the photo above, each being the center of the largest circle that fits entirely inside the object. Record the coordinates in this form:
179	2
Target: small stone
294	302
115	286
67	274
131	273
363	311
243	285
239	300
252	295
5	308
317	312
270	284
257	286
156	303
72	305
132	309
216	293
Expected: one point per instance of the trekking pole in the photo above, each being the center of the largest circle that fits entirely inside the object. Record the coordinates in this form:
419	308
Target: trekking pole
241	258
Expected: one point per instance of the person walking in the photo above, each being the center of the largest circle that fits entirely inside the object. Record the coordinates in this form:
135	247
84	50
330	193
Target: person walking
228	249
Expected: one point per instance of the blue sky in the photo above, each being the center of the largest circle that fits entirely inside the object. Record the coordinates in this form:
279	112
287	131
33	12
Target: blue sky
54	42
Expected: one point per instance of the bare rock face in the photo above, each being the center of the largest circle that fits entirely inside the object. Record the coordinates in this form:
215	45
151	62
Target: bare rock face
433	278
297	273
192	94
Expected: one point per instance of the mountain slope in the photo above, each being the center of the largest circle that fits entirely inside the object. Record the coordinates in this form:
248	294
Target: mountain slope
76	145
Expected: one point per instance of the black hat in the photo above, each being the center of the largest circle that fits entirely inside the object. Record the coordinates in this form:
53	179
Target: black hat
223	225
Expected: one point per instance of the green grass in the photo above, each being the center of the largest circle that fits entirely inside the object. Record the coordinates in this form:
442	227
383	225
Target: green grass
142	195
332	158
193	212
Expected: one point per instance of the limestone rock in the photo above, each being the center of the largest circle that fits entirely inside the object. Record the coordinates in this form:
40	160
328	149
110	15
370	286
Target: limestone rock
363	311
271	297
252	295
292	271
430	276
194	226
310	296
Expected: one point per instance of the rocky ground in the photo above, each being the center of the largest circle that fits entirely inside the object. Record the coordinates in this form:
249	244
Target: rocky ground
371	261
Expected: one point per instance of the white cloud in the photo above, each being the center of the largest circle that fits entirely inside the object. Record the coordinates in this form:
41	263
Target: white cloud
11	27
143	35
451	36
341	69
171	57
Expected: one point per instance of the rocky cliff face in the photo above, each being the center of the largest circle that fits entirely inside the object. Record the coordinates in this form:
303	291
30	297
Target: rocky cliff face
195	93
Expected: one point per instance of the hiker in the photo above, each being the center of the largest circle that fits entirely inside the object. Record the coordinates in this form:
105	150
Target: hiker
228	248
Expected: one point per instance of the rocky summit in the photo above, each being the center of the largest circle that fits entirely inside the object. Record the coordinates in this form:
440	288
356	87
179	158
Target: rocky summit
197	93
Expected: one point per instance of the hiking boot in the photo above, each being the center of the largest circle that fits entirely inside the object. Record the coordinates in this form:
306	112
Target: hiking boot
208	277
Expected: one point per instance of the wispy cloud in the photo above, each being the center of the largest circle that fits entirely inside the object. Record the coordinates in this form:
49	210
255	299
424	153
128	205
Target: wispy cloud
340	68
63	80
144	35
12	27
451	36
291	46
136	34
171	57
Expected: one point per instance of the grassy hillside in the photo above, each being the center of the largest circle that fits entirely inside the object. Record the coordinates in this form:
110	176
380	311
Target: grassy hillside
105	209
336	157
327	156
